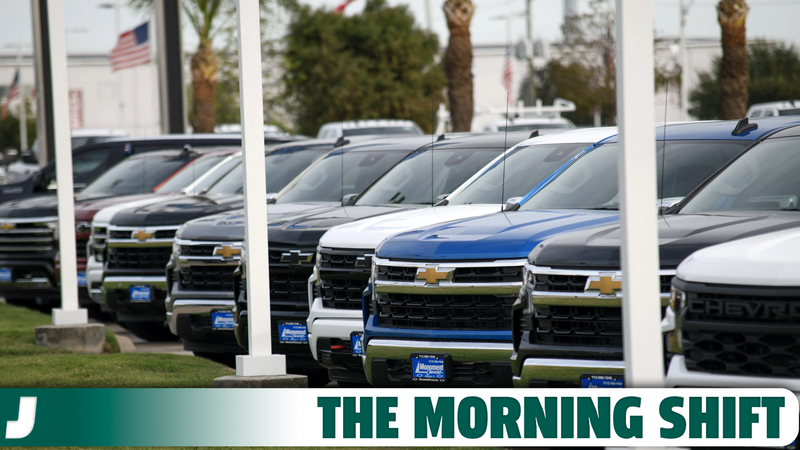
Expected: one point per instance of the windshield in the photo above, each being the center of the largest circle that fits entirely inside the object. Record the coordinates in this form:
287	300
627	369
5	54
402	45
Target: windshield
532	126
410	182
525	167
591	182
380	130
323	181
281	167
188	174
214	175
137	175
763	179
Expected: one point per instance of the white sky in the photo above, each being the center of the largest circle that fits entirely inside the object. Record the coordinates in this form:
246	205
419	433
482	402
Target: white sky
92	29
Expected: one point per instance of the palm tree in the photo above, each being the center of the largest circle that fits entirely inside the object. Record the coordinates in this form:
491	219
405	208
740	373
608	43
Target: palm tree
458	63
733	75
208	18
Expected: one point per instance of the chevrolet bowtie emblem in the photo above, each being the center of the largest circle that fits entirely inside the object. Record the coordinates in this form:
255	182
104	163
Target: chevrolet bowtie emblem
433	276
226	251
606	285
141	235
296	257
7	226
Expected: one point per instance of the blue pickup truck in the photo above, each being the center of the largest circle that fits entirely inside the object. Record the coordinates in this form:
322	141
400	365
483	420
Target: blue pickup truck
439	311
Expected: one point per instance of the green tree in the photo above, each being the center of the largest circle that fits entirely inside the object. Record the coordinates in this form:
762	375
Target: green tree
9	127
774	72
377	64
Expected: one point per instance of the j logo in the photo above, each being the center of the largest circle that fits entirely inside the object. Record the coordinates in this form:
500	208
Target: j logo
22	427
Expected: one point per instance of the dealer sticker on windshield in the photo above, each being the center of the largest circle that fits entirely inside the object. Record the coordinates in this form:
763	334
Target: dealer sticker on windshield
140	294
222	320
602	381
5	275
428	367
292	333
81	278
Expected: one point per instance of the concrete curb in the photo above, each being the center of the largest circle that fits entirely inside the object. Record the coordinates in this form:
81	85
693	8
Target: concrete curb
125	344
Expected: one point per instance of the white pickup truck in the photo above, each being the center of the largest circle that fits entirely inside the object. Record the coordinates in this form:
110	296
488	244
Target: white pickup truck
344	255
737	307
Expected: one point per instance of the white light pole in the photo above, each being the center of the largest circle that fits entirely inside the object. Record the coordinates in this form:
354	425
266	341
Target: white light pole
685	72
260	360
69	313
641	304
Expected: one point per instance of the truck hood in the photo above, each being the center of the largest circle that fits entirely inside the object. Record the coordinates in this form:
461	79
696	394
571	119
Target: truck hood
306	230
177	210
679	236
42	205
369	233
769	260
509	235
85	211
229	226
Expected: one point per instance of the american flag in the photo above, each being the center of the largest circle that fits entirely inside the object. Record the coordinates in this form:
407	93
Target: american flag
13	92
340	9
508	73
133	49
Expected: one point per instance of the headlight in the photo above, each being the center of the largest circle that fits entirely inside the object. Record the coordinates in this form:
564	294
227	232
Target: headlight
53	226
677	300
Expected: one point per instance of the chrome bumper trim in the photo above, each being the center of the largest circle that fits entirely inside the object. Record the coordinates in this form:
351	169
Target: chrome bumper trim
466	352
194	307
563	370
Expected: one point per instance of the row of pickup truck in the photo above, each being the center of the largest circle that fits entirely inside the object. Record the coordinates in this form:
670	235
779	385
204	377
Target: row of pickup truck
463	260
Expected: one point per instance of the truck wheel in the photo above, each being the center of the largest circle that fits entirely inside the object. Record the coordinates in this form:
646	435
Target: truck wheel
150	331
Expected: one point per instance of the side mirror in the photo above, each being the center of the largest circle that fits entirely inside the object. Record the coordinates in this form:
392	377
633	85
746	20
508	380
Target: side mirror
29	157
512	204
349	199
272	198
441	200
11	155
52	186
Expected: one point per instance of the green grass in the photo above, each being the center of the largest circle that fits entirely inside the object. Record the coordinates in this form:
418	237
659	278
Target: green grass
25	364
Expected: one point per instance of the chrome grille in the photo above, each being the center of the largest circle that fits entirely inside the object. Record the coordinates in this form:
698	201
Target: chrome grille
752	332
206	278
138	257
445	312
197	250
341	282
27	237
478	274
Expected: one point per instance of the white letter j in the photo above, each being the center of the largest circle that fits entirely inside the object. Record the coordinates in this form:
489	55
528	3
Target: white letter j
22	427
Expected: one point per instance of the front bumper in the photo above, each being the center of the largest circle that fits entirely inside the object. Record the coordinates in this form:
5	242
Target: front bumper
678	376
298	355
94	280
475	364
329	327
30	277
549	373
117	298
191	319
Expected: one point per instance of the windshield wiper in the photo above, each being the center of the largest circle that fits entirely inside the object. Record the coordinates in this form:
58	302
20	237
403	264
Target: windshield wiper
605	208
789	209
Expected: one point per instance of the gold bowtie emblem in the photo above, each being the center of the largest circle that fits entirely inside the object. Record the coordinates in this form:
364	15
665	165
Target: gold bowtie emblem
7	226
432	276
227	251
141	235
606	285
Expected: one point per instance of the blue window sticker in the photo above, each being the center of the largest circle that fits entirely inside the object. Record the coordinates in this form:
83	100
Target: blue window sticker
292	333
82	279
140	294
222	320
5	275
